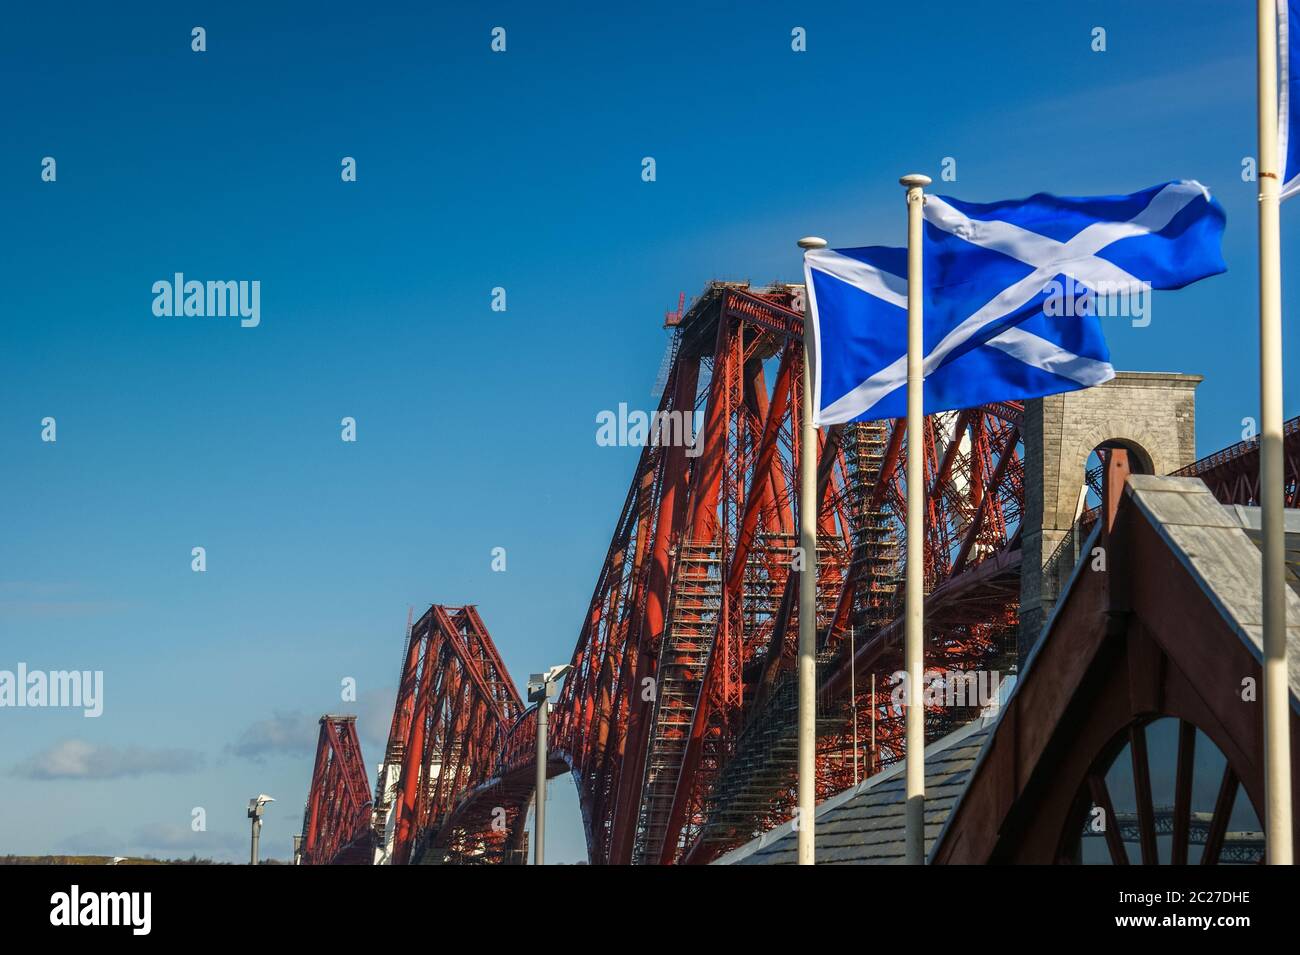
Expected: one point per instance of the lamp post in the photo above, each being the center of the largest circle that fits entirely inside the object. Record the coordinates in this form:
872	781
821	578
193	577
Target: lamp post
255	809
540	688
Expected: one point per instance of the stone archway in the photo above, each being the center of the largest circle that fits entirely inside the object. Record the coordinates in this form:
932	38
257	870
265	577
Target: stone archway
1150	414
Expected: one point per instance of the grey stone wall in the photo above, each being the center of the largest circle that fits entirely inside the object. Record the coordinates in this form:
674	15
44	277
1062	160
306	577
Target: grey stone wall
1152	413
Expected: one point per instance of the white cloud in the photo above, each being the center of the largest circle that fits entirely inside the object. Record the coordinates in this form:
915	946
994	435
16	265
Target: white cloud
80	759
292	733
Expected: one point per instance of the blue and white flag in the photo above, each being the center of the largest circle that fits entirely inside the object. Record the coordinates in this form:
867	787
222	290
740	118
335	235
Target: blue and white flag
993	273
1288	107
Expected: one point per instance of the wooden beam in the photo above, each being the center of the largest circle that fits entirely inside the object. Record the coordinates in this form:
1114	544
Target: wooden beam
1114	839
1137	740
1183	792
1219	824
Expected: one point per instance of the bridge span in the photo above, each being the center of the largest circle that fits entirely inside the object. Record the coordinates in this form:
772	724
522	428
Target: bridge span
677	722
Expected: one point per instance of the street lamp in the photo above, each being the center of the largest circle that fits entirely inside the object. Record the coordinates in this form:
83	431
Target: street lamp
540	688
255	809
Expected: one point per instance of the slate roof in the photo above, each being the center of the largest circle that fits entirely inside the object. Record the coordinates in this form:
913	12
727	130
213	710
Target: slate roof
1218	545
1249	518
864	825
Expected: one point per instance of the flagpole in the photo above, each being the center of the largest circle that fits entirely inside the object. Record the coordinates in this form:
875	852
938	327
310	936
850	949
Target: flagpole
807	809
914	606
1276	691
853	698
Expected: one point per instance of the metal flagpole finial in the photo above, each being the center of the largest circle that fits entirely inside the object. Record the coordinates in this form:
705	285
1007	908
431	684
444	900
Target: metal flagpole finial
812	242
914	180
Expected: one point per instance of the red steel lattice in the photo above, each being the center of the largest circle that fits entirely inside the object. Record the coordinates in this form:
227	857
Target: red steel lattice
677	718
455	706
337	826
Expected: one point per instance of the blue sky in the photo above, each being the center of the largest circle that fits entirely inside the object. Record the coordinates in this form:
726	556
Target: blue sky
476	428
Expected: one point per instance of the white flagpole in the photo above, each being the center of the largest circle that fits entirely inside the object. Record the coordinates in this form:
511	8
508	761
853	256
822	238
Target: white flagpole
853	698
914	606
806	813
1276	689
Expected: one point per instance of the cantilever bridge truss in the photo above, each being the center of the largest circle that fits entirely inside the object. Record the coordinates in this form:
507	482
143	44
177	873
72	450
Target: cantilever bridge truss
337	826
678	720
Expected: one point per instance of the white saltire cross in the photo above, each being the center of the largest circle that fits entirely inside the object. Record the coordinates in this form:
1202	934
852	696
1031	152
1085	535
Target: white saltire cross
1049	257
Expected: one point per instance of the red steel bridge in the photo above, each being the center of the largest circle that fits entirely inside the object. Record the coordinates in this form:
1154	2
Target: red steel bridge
337	823
678	720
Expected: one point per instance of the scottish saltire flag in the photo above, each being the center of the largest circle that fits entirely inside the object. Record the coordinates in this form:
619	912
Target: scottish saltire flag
1288	107
995	324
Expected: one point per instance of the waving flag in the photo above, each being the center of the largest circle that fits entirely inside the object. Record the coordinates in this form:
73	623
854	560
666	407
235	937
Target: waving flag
1288	112
994	274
